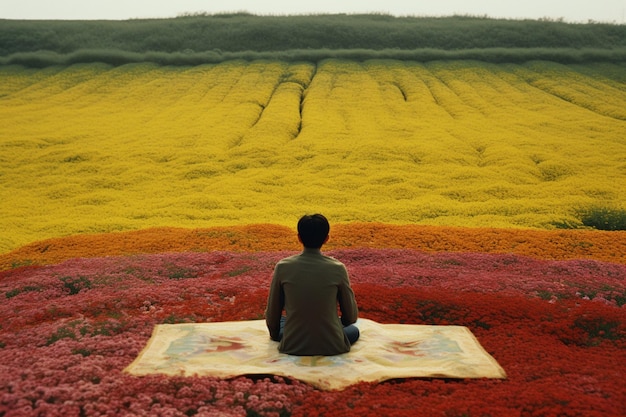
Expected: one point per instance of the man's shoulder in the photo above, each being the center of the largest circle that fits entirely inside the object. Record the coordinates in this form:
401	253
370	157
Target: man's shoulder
332	260
288	259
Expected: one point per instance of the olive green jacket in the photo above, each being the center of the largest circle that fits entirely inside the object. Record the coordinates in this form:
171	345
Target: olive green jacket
309	286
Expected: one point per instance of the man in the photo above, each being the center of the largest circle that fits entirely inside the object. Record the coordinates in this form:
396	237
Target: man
308	287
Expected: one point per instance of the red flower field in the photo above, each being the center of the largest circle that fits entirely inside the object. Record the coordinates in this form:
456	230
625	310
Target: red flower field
555	323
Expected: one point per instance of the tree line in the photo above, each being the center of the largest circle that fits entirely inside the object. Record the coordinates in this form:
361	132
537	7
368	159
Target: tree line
203	38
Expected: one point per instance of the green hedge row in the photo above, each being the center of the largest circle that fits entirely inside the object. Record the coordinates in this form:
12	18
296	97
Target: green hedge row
242	32
494	55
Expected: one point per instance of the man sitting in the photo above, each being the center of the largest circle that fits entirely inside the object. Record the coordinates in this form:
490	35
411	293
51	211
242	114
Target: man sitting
308	287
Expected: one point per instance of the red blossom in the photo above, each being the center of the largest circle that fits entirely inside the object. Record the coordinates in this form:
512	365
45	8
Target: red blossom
558	328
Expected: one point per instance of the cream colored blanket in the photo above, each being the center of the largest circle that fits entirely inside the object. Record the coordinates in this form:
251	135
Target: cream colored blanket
384	351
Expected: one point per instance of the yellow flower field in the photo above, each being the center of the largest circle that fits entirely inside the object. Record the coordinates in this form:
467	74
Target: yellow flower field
94	148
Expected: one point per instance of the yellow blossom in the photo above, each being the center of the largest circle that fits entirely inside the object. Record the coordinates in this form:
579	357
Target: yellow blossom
93	148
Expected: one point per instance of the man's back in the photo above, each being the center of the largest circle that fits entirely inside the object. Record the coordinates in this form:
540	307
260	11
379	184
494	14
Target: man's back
309	286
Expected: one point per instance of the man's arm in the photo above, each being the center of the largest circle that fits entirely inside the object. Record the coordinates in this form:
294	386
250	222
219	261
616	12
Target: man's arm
274	309
347	303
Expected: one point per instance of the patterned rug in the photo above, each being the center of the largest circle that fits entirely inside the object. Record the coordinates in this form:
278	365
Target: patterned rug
384	351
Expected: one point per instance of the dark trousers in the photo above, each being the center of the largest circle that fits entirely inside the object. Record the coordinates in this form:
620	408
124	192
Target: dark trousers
351	331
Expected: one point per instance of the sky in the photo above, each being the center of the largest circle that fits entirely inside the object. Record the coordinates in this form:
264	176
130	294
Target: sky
612	11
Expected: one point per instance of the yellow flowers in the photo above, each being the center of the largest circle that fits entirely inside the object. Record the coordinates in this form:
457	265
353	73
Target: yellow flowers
92	148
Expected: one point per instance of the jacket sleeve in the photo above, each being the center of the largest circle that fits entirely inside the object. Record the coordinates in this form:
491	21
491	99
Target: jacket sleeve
275	304
347	303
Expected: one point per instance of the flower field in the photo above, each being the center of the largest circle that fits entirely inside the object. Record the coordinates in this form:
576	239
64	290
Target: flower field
93	149
140	194
558	328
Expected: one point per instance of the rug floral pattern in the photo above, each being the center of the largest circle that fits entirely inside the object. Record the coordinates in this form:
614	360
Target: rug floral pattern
385	351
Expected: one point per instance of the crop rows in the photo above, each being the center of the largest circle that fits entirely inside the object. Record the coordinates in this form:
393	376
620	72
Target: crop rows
94	148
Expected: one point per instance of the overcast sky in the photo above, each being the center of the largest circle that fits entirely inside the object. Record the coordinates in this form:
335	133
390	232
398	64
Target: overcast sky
570	10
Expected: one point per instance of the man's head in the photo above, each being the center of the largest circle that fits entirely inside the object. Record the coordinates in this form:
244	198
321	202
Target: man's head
313	230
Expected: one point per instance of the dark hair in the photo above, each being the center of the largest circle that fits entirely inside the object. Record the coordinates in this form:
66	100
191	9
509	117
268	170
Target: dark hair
313	230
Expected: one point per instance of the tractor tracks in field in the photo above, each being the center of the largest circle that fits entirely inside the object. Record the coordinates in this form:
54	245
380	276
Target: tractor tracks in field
303	93
303	85
292	85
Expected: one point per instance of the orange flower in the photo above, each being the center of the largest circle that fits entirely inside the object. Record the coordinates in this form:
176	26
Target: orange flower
541	244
